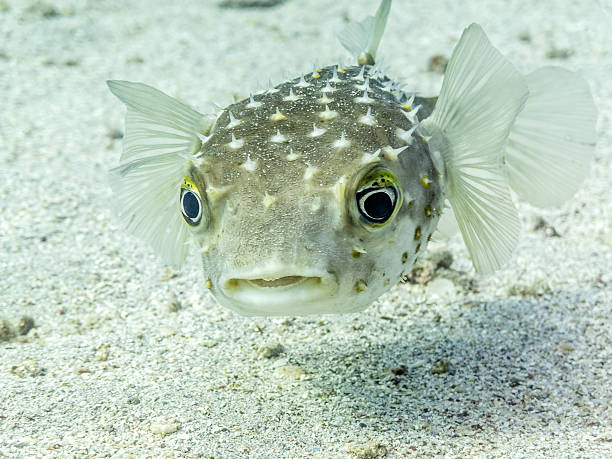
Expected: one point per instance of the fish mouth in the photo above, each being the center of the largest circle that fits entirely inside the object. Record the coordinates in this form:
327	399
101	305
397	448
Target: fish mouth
278	294
280	282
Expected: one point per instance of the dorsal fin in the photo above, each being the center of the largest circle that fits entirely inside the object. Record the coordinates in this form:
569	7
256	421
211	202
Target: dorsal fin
361	39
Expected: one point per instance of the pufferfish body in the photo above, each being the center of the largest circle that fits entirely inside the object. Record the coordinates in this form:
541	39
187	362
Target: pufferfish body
317	195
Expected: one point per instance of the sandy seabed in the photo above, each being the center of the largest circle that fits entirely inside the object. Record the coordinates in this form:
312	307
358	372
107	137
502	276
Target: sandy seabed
129	359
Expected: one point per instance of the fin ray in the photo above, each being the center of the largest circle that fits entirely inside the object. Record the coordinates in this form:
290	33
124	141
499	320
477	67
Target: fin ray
481	95
550	146
161	136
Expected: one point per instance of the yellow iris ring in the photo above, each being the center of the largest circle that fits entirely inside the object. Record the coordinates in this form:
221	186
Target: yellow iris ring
189	185
382	178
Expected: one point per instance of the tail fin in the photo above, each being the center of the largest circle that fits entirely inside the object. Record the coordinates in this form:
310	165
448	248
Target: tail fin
551	143
361	39
481	96
161	135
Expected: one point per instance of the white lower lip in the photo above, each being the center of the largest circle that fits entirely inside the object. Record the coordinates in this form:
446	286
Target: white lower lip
282	295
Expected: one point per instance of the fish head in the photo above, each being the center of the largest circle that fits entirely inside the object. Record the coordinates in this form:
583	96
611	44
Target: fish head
305	200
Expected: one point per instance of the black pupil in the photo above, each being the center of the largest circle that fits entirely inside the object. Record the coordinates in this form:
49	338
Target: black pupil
191	205
378	206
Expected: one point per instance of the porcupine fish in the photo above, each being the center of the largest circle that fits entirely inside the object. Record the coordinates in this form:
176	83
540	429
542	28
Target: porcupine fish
316	195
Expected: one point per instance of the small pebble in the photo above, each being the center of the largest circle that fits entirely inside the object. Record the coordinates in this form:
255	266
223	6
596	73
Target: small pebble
290	372
44	9
560	53
163	428
270	350
546	228
28	367
174	305
25	324
441	287
440	367
437	64
103	352
7	332
250	3
167	275
370	450
133	400
114	133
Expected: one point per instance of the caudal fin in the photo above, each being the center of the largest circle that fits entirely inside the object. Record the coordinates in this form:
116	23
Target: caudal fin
161	136
361	39
482	94
550	146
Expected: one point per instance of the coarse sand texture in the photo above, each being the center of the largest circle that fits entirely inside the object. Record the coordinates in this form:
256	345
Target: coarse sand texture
107	352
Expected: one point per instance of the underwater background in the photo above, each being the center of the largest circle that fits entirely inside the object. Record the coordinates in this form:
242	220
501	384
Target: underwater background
106	352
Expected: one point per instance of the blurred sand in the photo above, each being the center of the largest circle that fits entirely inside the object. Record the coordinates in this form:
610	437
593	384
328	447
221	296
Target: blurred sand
128	358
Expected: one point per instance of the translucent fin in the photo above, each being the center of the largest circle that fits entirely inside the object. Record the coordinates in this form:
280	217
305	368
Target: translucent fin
550	146
447	226
481	95
361	39
161	136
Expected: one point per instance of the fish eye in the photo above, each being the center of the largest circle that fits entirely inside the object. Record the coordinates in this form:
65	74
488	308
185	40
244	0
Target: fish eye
191	203
378	198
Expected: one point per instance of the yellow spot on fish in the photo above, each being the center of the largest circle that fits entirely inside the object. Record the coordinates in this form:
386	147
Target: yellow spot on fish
418	247
408	107
428	211
404	257
339	189
268	200
438	211
328	114
292	156
208	284
358	251
417	233
425	181
278	116
361	285
316	75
